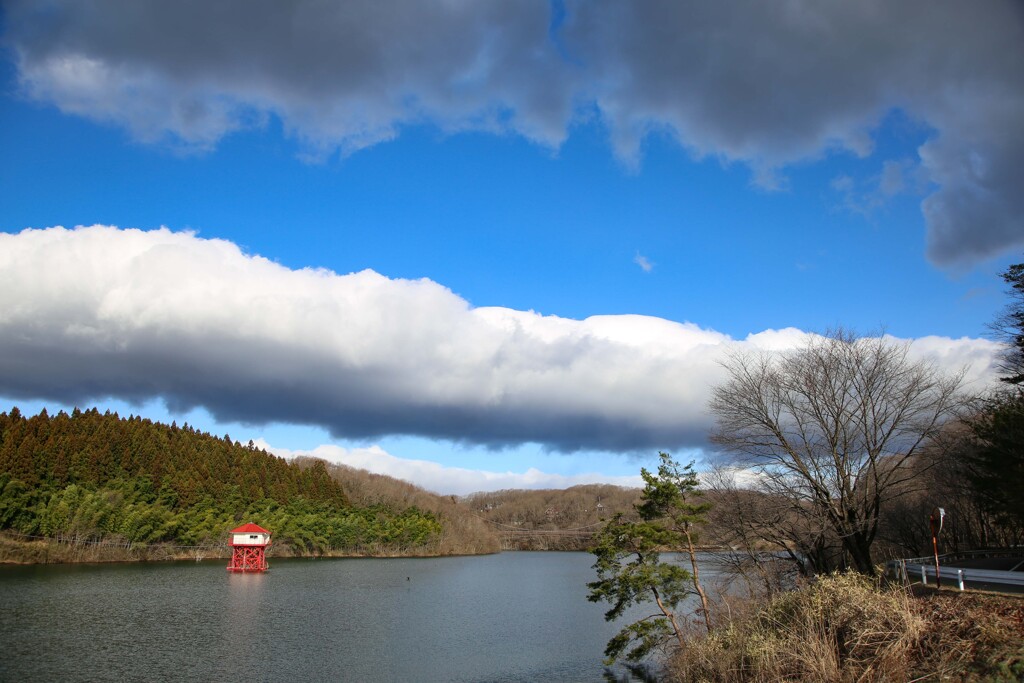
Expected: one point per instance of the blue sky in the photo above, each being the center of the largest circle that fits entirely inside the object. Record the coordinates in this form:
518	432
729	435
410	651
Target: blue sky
503	167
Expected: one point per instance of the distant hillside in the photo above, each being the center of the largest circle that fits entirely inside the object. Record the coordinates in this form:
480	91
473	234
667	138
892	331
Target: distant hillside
463	532
89	477
551	519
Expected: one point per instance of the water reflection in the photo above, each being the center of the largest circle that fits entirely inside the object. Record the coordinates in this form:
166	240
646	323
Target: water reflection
240	623
507	617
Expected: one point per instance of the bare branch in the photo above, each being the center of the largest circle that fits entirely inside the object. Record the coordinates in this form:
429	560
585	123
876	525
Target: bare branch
833	426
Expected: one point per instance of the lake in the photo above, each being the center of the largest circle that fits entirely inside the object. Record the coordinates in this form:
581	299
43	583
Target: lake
515	616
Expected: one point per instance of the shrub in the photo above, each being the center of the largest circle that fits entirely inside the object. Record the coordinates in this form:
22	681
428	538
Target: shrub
839	628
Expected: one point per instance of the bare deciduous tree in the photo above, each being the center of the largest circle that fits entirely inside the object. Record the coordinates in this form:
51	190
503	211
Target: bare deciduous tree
1008	327
756	525
832	427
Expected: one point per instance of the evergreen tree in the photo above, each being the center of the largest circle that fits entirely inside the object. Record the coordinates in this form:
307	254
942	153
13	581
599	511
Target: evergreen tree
90	475
997	462
630	569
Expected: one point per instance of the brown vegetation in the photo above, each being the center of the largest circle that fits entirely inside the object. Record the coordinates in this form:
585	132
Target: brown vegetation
551	519
843	627
463	533
944	480
972	636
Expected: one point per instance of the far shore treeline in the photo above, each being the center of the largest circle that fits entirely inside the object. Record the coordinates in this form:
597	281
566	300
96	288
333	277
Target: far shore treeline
90	486
91	477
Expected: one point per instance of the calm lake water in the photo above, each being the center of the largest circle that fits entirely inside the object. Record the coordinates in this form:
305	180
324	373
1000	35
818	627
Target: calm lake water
516	616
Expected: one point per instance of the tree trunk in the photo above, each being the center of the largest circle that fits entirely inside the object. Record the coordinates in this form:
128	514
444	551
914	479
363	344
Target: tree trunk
859	550
696	581
671	617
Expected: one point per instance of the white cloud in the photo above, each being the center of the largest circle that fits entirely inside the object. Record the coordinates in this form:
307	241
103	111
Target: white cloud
446	480
767	86
644	262
101	312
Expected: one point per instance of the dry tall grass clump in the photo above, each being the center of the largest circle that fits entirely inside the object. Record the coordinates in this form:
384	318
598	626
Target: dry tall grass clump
840	628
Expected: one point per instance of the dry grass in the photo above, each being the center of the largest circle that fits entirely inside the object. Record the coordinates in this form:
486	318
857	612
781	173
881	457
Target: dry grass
16	550
844	628
971	637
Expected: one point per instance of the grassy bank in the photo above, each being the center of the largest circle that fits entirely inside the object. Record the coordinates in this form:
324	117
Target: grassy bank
19	550
845	628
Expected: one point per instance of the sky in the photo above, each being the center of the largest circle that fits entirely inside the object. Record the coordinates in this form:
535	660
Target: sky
484	245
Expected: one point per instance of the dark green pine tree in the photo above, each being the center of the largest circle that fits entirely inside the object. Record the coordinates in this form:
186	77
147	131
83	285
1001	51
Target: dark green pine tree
630	569
671	499
997	464
149	482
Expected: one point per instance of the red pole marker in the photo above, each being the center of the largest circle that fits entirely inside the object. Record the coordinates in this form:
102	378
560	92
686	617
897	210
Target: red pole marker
935	522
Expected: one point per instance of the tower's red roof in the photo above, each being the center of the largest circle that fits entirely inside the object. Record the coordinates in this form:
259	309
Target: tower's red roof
249	528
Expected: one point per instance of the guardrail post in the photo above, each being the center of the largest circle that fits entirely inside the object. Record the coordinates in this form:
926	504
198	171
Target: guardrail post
960	578
924	577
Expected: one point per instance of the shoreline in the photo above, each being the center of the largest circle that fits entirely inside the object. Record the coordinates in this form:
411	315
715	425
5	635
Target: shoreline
18	550
22	549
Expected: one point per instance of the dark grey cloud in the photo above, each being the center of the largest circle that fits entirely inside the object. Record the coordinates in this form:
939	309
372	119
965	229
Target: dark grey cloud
764	84
770	84
99	312
339	75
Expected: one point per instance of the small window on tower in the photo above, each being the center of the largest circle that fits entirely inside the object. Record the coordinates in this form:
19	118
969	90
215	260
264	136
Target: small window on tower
253	537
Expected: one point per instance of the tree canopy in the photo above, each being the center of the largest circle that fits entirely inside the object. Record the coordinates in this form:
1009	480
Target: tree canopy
997	459
631	571
833	428
92	476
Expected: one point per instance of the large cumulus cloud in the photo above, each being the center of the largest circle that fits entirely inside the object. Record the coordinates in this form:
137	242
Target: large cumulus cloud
766	84
99	312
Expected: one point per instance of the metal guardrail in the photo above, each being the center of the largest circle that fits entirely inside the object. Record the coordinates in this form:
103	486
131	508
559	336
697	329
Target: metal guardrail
924	569
1013	551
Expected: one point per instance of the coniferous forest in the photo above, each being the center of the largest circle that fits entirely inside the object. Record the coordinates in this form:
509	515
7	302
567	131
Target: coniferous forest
91	477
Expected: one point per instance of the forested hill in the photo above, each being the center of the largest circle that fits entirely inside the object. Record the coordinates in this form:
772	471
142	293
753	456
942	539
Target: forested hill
182	465
96	476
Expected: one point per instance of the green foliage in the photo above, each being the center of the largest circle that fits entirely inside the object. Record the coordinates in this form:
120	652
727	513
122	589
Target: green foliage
997	462
88	476
666	500
629	566
630	572
16	501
